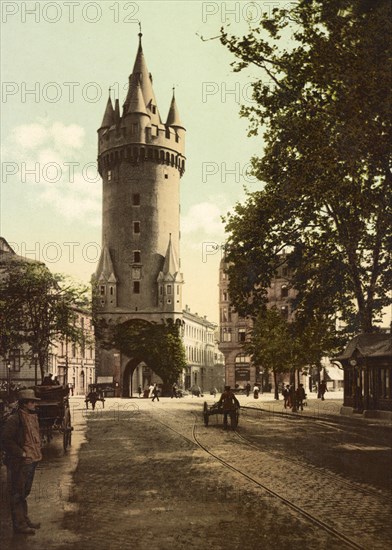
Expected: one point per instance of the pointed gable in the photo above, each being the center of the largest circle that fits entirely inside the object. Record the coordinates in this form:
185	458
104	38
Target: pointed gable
105	270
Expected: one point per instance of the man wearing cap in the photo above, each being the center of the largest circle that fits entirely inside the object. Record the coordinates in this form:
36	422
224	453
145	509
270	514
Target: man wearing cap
22	445
229	404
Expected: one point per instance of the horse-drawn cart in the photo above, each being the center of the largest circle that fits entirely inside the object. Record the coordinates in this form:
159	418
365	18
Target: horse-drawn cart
54	412
217	409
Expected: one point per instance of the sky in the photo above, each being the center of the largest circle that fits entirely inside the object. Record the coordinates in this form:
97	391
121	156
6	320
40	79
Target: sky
58	61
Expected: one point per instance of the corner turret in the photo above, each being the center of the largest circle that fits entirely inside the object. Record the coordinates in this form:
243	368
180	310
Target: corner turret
108	118
170	281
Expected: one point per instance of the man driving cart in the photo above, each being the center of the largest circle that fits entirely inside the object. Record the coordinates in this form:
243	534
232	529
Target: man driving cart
229	404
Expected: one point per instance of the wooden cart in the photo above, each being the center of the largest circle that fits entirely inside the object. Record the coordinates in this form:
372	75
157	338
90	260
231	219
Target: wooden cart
54	413
217	409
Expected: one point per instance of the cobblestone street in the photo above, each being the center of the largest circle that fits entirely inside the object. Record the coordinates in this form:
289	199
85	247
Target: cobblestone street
140	475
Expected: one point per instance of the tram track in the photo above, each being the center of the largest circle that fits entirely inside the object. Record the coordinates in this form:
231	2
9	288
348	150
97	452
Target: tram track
195	439
334	477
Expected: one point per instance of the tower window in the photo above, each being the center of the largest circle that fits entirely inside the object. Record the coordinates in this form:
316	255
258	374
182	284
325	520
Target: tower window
102	290
134	128
154	109
136	227
136	199
284	291
137	257
136	287
111	291
109	175
168	289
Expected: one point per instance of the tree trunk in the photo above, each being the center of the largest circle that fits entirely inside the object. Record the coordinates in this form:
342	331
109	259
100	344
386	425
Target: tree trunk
276	389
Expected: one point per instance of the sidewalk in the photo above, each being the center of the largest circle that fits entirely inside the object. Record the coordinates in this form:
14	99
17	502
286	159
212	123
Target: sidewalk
316	408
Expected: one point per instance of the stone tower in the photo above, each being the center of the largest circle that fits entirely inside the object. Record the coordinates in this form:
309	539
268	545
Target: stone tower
141	160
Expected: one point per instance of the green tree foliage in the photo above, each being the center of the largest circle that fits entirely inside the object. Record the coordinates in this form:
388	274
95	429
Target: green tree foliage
269	345
323	102
37	309
158	345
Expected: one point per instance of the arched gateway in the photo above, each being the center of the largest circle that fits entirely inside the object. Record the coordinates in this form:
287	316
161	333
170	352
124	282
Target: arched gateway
136	373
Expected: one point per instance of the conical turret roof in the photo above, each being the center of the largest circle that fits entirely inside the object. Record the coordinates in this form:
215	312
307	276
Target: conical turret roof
173	117
141	76
136	101
108	117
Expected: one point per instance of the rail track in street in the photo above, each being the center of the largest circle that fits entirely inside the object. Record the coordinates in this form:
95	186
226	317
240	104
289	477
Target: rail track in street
345	510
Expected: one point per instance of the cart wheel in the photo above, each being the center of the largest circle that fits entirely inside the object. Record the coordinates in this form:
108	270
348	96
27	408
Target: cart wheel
67	429
205	414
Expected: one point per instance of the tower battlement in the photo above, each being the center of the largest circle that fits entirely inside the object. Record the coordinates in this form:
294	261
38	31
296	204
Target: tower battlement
139	135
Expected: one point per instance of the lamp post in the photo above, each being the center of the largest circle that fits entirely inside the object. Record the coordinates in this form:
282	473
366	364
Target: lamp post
9	377
35	355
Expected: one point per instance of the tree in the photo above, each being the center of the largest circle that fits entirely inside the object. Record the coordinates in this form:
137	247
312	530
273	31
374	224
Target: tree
158	345
37	309
269	345
327	182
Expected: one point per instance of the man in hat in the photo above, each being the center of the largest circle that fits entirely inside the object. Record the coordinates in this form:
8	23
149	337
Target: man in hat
229	404
22	445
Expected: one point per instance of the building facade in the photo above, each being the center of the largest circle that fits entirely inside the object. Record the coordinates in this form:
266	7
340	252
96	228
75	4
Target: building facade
205	362
235	330
141	161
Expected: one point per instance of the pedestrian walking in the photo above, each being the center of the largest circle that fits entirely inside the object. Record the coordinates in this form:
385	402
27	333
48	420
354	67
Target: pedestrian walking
301	396
174	391
286	396
151	388
139	390
22	445
229	405
247	388
292	398
155	393
322	389
256	391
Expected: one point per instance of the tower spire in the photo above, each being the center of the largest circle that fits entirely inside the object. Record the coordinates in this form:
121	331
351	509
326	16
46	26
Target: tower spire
173	117
108	117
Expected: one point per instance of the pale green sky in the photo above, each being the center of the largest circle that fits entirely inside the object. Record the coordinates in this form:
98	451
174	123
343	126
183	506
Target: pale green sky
57	64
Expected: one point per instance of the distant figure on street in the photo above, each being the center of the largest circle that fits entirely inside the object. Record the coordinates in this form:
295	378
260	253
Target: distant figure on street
22	444
139	390
92	397
151	388
174	391
322	389
247	388
256	391
229	404
286	396
301	396
56	381
155	393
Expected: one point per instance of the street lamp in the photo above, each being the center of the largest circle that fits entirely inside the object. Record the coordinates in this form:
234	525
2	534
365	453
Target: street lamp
9	376
35	355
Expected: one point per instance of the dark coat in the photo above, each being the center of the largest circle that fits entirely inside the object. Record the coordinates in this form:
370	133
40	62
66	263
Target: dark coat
12	438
